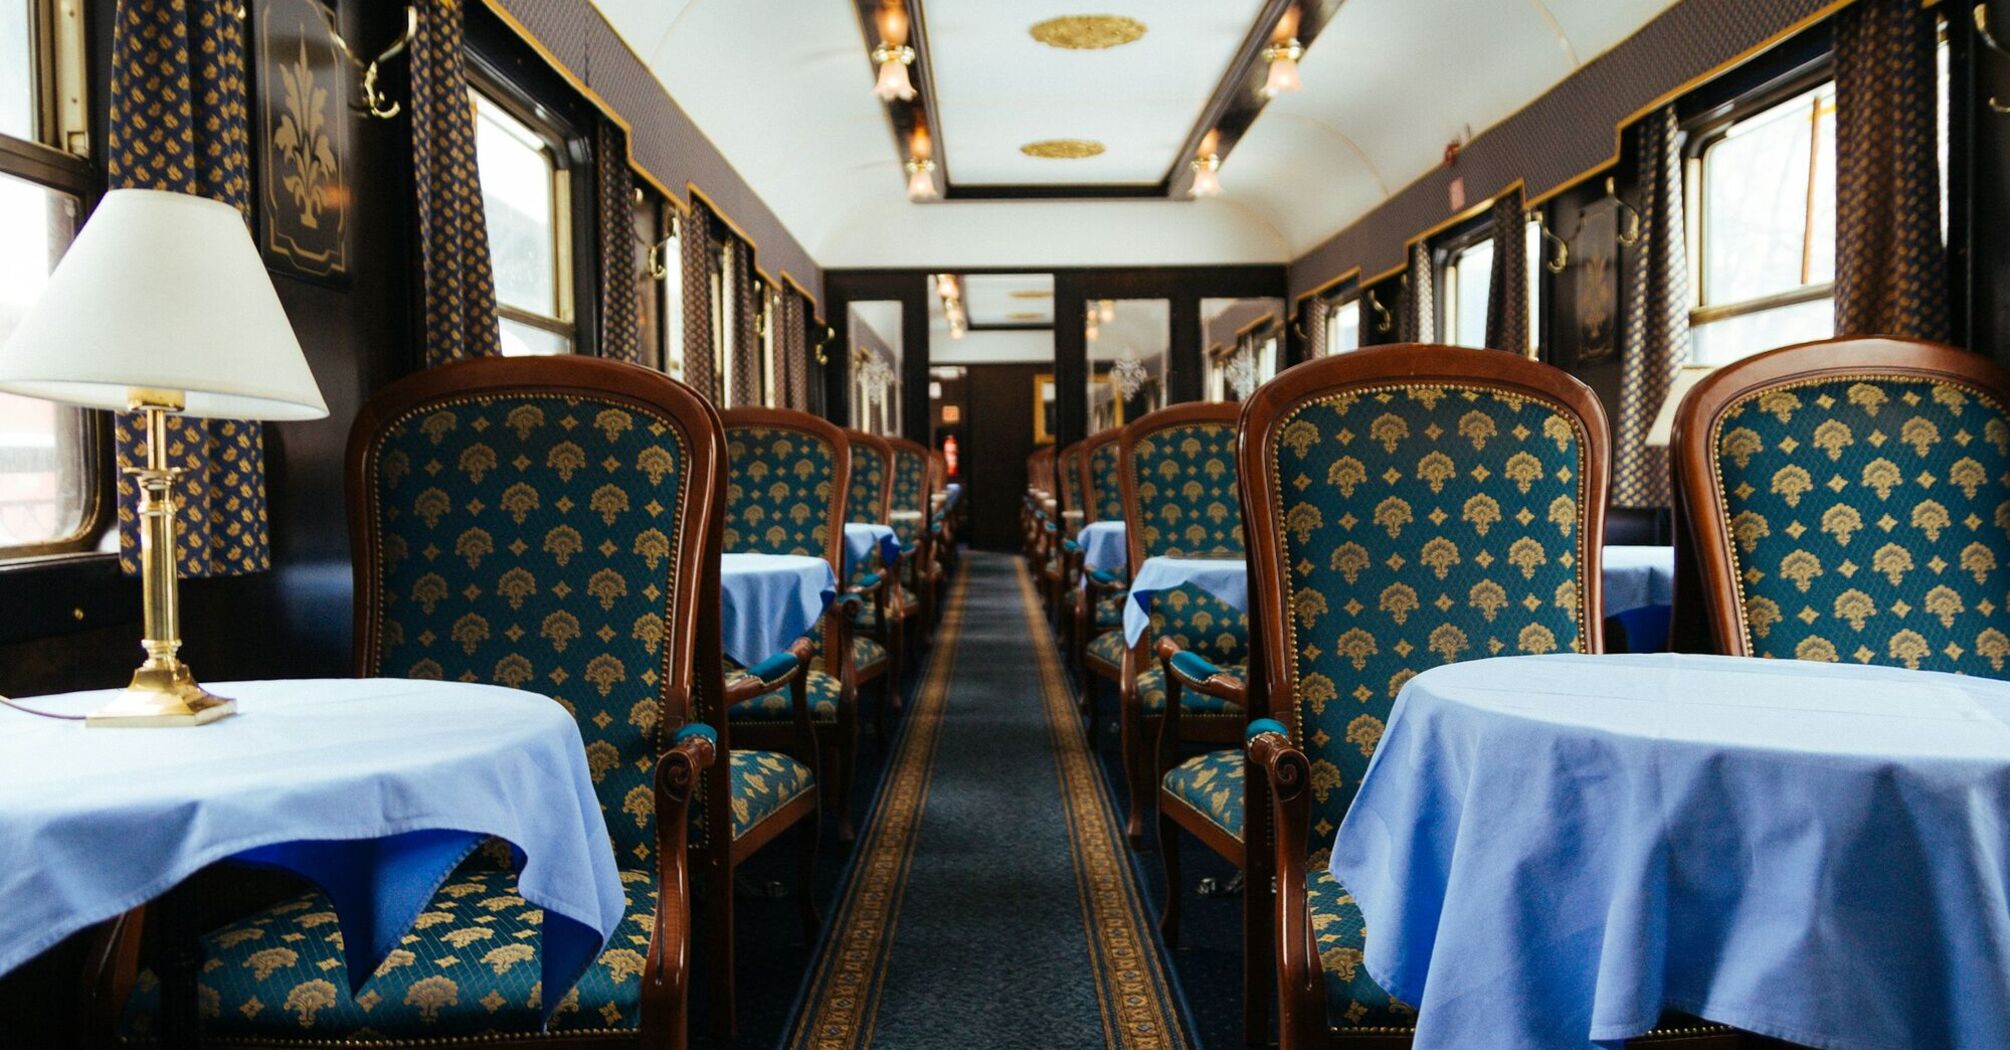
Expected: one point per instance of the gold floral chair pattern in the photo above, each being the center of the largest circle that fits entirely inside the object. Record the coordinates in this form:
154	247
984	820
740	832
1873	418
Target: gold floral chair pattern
1448	515
540	524
1857	494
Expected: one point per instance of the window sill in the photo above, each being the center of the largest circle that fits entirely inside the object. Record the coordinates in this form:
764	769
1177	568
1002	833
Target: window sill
56	594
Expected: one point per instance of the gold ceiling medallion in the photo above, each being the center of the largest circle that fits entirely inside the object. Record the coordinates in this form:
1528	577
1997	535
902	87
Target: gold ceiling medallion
1087	32
1030	293
1063	149
1025	315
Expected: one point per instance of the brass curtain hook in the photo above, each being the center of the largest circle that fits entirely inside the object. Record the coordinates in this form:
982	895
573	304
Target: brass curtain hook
1562	259
1981	15
374	103
1384	321
829	334
1631	235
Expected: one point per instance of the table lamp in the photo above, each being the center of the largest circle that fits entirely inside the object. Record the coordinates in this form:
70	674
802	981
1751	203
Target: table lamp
162	305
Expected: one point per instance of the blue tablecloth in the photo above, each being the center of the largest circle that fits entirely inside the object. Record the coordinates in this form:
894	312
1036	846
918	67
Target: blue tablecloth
1103	546
372	789
861	538
1225	578
769	601
1549	851
1637	577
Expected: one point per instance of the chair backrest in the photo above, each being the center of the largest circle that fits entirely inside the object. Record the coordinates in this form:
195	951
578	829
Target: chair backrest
1068	470
787	478
1177	469
912	488
1850	500
1411	506
1104	488
871	477
549	524
1040	470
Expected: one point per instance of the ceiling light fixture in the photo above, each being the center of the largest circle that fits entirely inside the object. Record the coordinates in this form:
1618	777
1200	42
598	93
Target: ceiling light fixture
894	83
1283	58
921	180
1205	182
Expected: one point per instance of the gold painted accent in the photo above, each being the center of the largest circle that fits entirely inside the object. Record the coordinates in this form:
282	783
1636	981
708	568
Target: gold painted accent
1063	149
1025	315
1087	32
163	691
1030	293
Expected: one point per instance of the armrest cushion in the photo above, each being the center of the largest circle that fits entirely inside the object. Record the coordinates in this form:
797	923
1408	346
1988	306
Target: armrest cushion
866	582
1265	725
1194	667
1106	577
775	668
695	729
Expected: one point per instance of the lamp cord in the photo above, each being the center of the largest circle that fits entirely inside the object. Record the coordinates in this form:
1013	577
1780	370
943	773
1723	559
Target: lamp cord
43	714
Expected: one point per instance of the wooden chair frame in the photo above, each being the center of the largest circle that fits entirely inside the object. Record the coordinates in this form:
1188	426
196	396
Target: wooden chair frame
884	594
680	768
1137	732
913	574
1699	497
1085	597
1279	772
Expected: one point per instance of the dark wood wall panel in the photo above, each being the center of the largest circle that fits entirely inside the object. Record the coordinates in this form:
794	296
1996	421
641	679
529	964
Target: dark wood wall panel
1566	132
998	436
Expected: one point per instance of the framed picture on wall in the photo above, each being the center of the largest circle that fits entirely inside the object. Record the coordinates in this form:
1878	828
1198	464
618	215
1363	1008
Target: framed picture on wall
1594	282
1045	423
304	182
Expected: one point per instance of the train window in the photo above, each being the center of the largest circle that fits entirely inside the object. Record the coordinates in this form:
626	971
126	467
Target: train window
1343	327
769	316
526	195
1466	280
1766	230
673	297
724	314
53	458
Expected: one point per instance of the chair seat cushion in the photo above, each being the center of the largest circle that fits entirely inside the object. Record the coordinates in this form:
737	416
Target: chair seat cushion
1106	652
763	782
469	967
1353	999
867	656
1211	785
824	689
1152	694
1110	611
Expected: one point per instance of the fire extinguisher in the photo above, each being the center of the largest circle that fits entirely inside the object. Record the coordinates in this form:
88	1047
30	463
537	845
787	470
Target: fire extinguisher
949	454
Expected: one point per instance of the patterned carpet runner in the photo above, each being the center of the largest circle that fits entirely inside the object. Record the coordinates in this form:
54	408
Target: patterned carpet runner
991	902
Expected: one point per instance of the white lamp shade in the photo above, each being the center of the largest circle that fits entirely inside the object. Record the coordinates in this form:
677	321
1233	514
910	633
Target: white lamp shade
163	291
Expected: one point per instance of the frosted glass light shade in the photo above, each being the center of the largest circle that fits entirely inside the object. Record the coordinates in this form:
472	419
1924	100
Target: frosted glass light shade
163	291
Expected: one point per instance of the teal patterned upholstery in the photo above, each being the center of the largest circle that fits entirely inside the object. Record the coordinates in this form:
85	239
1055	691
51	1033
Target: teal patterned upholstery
469	967
1110	611
1152	694
1107	648
1353	999
1201	623
526	541
1105	491
910	477
763	782
868	481
1421	525
1870	522
778	489
1071	480
824	690
1187	500
1210	784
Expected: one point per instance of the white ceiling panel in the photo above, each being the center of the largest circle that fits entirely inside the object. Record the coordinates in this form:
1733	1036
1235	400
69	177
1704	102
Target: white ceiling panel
999	89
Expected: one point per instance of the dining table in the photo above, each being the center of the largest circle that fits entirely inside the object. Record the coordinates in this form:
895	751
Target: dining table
1639	595
864	539
374	790
1552	851
767	601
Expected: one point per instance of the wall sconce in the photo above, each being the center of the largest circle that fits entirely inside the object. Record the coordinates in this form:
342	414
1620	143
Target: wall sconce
1205	182
1283	59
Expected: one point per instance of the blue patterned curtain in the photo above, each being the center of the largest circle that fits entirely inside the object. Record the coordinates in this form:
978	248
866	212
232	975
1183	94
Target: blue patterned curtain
1654	336
620	336
1891	268
460	291
1507	284
1420	308
179	122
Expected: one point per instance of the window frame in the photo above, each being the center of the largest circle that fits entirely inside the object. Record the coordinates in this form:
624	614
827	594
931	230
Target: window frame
671	289
1330	309
1445	256
58	75
574	215
1707	128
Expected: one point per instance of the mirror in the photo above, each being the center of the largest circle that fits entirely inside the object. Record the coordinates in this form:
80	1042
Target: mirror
873	333
1242	344
1128	341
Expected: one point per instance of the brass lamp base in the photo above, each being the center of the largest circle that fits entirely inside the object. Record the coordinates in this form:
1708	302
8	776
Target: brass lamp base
162	696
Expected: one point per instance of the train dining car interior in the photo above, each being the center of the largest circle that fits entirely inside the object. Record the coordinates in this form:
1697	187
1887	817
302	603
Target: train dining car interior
940	524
